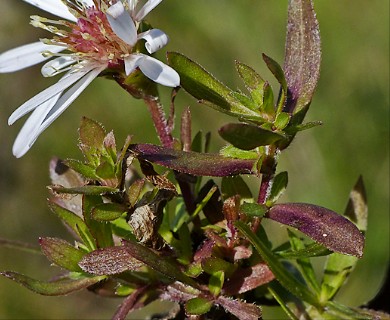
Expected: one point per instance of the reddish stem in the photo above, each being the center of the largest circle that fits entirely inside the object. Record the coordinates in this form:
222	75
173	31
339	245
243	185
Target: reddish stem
160	123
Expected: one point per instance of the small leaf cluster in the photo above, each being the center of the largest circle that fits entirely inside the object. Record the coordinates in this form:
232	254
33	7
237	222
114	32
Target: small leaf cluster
135	237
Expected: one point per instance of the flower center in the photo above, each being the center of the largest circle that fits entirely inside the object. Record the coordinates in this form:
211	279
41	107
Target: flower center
93	37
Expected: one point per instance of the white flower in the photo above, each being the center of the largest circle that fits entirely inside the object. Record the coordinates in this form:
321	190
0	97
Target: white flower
96	35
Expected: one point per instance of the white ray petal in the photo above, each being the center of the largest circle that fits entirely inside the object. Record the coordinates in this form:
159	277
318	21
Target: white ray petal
132	62
25	56
132	5
57	65
56	7
66	99
155	39
149	6
159	72
46	94
121	23
26	137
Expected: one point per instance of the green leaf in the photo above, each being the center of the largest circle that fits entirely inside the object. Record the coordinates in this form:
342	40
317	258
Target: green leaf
233	152
310	250
121	228
277	268
247	137
253	82
282	120
303	55
277	71
279	185
231	186
198	306
75	223
204	87
337	269
106	170
216	282
54	288
212	265
82	168
108	211
101	230
278	292
91	136
293	129
268	100
61	253
134	191
86	190
305	264
253	209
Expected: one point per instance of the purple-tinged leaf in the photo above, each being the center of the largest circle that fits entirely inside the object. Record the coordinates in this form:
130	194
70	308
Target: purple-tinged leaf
198	306
198	164
156	262
179	292
247	137
108	261
322	225
302	56
242	310
61	253
55	288
246	279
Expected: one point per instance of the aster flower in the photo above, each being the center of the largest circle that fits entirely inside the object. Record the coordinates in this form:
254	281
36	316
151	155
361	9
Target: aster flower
96	35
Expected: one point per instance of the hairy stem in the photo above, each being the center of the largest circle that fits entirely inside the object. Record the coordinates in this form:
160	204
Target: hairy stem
268	169
160	123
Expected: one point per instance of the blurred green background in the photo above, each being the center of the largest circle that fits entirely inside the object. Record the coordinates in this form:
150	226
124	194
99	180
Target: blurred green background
352	100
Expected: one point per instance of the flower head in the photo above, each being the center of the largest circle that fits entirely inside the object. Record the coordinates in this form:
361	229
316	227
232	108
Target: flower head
96	35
